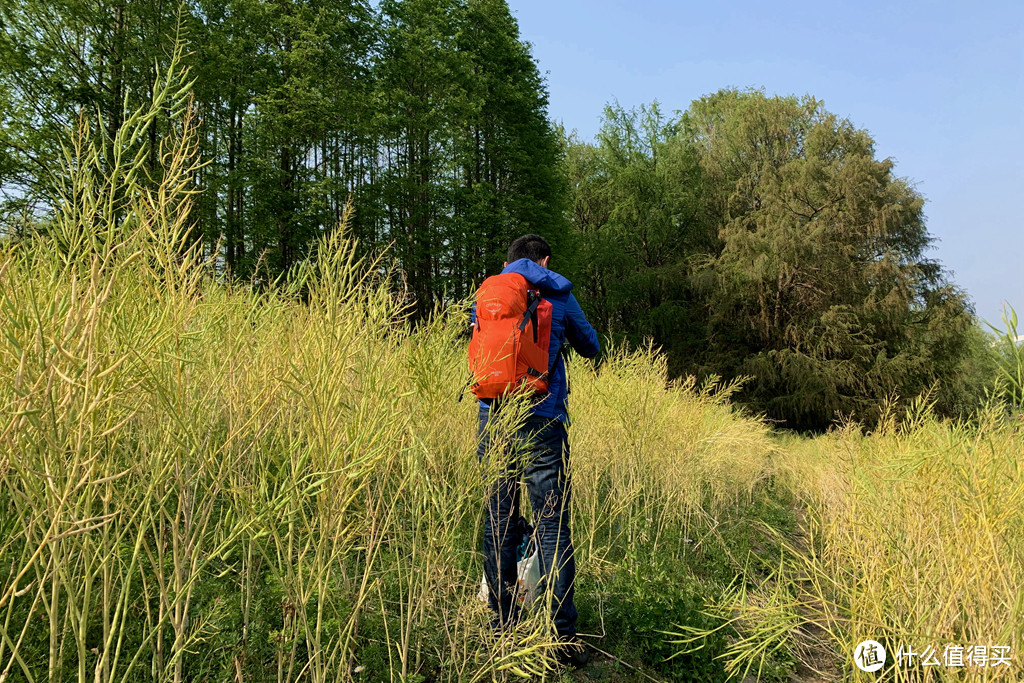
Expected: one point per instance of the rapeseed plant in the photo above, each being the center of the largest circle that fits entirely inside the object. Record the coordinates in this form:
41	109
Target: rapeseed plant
204	480
912	537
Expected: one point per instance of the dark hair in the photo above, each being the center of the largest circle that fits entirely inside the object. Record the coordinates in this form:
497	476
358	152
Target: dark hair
533	247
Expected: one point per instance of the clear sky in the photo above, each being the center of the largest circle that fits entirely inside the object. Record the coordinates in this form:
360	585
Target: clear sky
939	85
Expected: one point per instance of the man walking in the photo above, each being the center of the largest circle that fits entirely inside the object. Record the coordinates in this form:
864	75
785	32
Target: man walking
543	462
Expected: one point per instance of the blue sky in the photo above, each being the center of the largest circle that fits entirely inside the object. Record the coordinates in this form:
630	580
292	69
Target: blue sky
940	86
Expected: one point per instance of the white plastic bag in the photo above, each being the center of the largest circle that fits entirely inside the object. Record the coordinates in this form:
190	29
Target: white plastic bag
528	572
528	576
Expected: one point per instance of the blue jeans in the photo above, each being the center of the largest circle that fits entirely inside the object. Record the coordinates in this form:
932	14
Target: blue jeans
539	456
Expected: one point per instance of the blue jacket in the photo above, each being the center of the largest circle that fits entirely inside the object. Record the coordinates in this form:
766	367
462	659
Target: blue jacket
567	324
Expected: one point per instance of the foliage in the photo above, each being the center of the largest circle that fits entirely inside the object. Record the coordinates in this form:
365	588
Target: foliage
759	237
821	292
637	218
60	59
1010	361
430	114
471	159
200	481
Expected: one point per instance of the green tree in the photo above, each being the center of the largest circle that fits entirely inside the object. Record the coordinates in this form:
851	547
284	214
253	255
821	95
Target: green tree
637	217
470	160
429	114
282	84
512	176
759	237
420	91
61	59
821	292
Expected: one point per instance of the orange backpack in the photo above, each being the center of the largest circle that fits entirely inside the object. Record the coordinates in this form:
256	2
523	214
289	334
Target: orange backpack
509	349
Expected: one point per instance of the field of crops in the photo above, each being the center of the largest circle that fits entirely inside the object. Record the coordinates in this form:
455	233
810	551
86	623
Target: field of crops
206	482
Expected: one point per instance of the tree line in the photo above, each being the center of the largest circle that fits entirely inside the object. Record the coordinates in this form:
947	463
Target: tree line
750	236
760	237
429	115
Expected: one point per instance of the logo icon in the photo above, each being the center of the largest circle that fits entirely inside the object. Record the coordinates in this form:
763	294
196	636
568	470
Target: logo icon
869	656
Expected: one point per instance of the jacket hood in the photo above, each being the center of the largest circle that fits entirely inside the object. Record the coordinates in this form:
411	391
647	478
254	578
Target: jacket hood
539	276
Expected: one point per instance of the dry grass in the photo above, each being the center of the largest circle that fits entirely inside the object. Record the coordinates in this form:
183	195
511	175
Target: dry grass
205	482
657	457
913	537
920	535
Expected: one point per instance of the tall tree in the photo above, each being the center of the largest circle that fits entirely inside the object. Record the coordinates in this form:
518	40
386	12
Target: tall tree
470	159
64	59
281	82
759	237
638	218
429	114
420	79
821	292
513	181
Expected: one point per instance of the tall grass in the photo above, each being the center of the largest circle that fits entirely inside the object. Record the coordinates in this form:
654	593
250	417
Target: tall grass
1010	354
202	481
205	481
912	537
660	460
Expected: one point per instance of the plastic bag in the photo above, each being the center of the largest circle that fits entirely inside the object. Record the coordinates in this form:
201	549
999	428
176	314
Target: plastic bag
527	567
528	573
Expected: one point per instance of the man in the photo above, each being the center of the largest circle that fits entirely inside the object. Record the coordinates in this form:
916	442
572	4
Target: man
545	465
